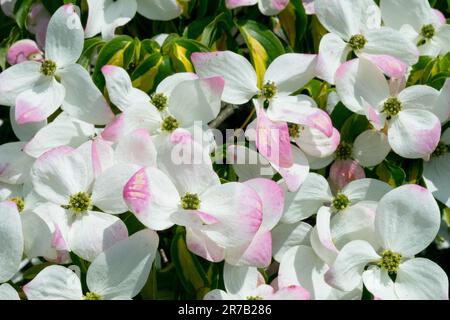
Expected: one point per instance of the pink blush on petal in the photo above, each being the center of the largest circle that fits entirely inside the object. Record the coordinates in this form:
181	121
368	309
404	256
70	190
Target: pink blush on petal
136	192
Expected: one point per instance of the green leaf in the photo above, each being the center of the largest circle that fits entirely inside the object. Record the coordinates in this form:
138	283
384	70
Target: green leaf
263	45
189	269
391	174
90	45
21	9
111	53
293	21
353	127
32	272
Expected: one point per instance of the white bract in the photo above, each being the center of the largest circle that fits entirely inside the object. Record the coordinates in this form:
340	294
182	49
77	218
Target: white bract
119	273
38	89
355	26
407	221
420	23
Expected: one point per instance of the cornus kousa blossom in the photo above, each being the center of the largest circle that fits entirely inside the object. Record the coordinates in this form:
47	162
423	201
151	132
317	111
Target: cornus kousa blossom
106	15
267	7
65	178
180	101
118	273
284	76
420	23
38	89
355	26
246	283
409	118
407	220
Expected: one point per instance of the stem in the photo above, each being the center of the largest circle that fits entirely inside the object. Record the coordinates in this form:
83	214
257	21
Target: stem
223	115
249	118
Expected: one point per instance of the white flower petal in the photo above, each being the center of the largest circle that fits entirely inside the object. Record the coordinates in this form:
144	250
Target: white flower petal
90	106
421	279
17	79
370	148
54	283
239	74
7	292
94	232
346	271
286	236
407	220
12	240
65	36
122	270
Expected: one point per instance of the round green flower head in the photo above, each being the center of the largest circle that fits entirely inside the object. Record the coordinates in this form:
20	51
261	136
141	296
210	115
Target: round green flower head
428	31
392	106
190	201
294	130
344	151
340	202
159	100
92	296
79	203
390	261
440	150
357	42
20	203
269	90
170	124
48	68
254	298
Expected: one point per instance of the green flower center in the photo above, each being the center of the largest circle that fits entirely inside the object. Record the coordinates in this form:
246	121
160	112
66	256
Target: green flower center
92	296
344	151
79	203
20	203
428	31
48	68
340	202
159	100
254	298
190	201
170	124
440	150
390	261
269	90
357	42
392	106
294	130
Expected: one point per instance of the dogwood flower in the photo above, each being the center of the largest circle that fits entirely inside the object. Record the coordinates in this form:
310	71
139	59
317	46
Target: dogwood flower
106	15
37	89
65	178
342	172
435	171
179	101
284	76
193	197
419	22
246	283
315	193
37	23
406	222
355	26
267	7
118	273
410	117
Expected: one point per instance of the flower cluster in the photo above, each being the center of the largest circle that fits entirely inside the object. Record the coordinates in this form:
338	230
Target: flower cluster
331	182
